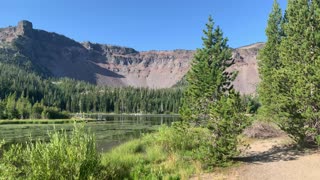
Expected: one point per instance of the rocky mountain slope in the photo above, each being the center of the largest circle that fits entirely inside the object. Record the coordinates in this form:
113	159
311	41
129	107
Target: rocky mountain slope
58	56
247	66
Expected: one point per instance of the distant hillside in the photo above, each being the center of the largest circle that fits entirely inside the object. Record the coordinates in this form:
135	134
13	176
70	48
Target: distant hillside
51	54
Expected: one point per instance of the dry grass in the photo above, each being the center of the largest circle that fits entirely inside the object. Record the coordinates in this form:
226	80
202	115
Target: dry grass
263	130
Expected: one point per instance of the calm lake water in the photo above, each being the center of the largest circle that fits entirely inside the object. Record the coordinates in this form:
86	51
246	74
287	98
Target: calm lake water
110	130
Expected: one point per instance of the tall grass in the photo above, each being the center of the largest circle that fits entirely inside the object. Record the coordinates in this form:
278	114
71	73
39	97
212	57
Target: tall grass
172	153
63	157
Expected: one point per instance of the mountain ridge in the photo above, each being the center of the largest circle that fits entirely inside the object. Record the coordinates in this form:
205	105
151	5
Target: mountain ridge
59	56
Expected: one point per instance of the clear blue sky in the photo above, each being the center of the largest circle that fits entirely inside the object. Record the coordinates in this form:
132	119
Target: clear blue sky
143	24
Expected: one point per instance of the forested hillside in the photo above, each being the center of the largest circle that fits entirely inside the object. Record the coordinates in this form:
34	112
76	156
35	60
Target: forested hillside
24	94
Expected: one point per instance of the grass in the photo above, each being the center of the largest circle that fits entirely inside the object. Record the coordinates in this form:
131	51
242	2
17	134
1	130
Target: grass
166	154
161	155
141	159
176	152
65	156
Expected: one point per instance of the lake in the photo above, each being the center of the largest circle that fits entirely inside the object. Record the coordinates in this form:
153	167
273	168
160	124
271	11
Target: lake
110	130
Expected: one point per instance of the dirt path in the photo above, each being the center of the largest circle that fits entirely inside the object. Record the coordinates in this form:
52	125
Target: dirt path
273	159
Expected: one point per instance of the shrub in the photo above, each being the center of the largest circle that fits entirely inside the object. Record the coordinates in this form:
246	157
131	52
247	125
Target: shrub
65	156
250	104
54	113
37	110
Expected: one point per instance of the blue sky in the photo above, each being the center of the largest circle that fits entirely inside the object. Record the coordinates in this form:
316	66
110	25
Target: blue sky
143	24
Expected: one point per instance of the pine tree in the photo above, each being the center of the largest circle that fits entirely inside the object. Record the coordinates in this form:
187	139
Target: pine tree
227	121
207	79
23	107
37	110
210	99
270	60
11	110
2	108
298	80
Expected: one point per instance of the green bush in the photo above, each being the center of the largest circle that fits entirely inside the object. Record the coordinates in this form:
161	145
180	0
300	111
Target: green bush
36	111
65	156
54	113
250	104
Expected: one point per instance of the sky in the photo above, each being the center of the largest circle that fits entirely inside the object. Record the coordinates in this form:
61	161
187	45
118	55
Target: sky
144	24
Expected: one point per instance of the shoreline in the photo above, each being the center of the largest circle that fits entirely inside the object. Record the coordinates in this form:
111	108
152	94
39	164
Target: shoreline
75	118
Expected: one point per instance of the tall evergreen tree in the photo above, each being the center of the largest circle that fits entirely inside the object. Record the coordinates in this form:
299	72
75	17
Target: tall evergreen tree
23	107
270	60
207	79
298	80
210	99
2	108
11	110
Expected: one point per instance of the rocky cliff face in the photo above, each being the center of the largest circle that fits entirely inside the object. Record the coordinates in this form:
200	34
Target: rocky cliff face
154	69
100	64
246	64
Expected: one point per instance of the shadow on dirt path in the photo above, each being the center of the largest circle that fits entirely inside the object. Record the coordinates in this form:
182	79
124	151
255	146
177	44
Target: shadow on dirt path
276	153
271	159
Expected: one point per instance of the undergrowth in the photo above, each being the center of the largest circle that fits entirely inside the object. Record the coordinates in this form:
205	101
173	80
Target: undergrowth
175	152
65	156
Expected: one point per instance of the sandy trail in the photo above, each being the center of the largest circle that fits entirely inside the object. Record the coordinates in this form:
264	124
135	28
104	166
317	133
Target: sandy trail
272	159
